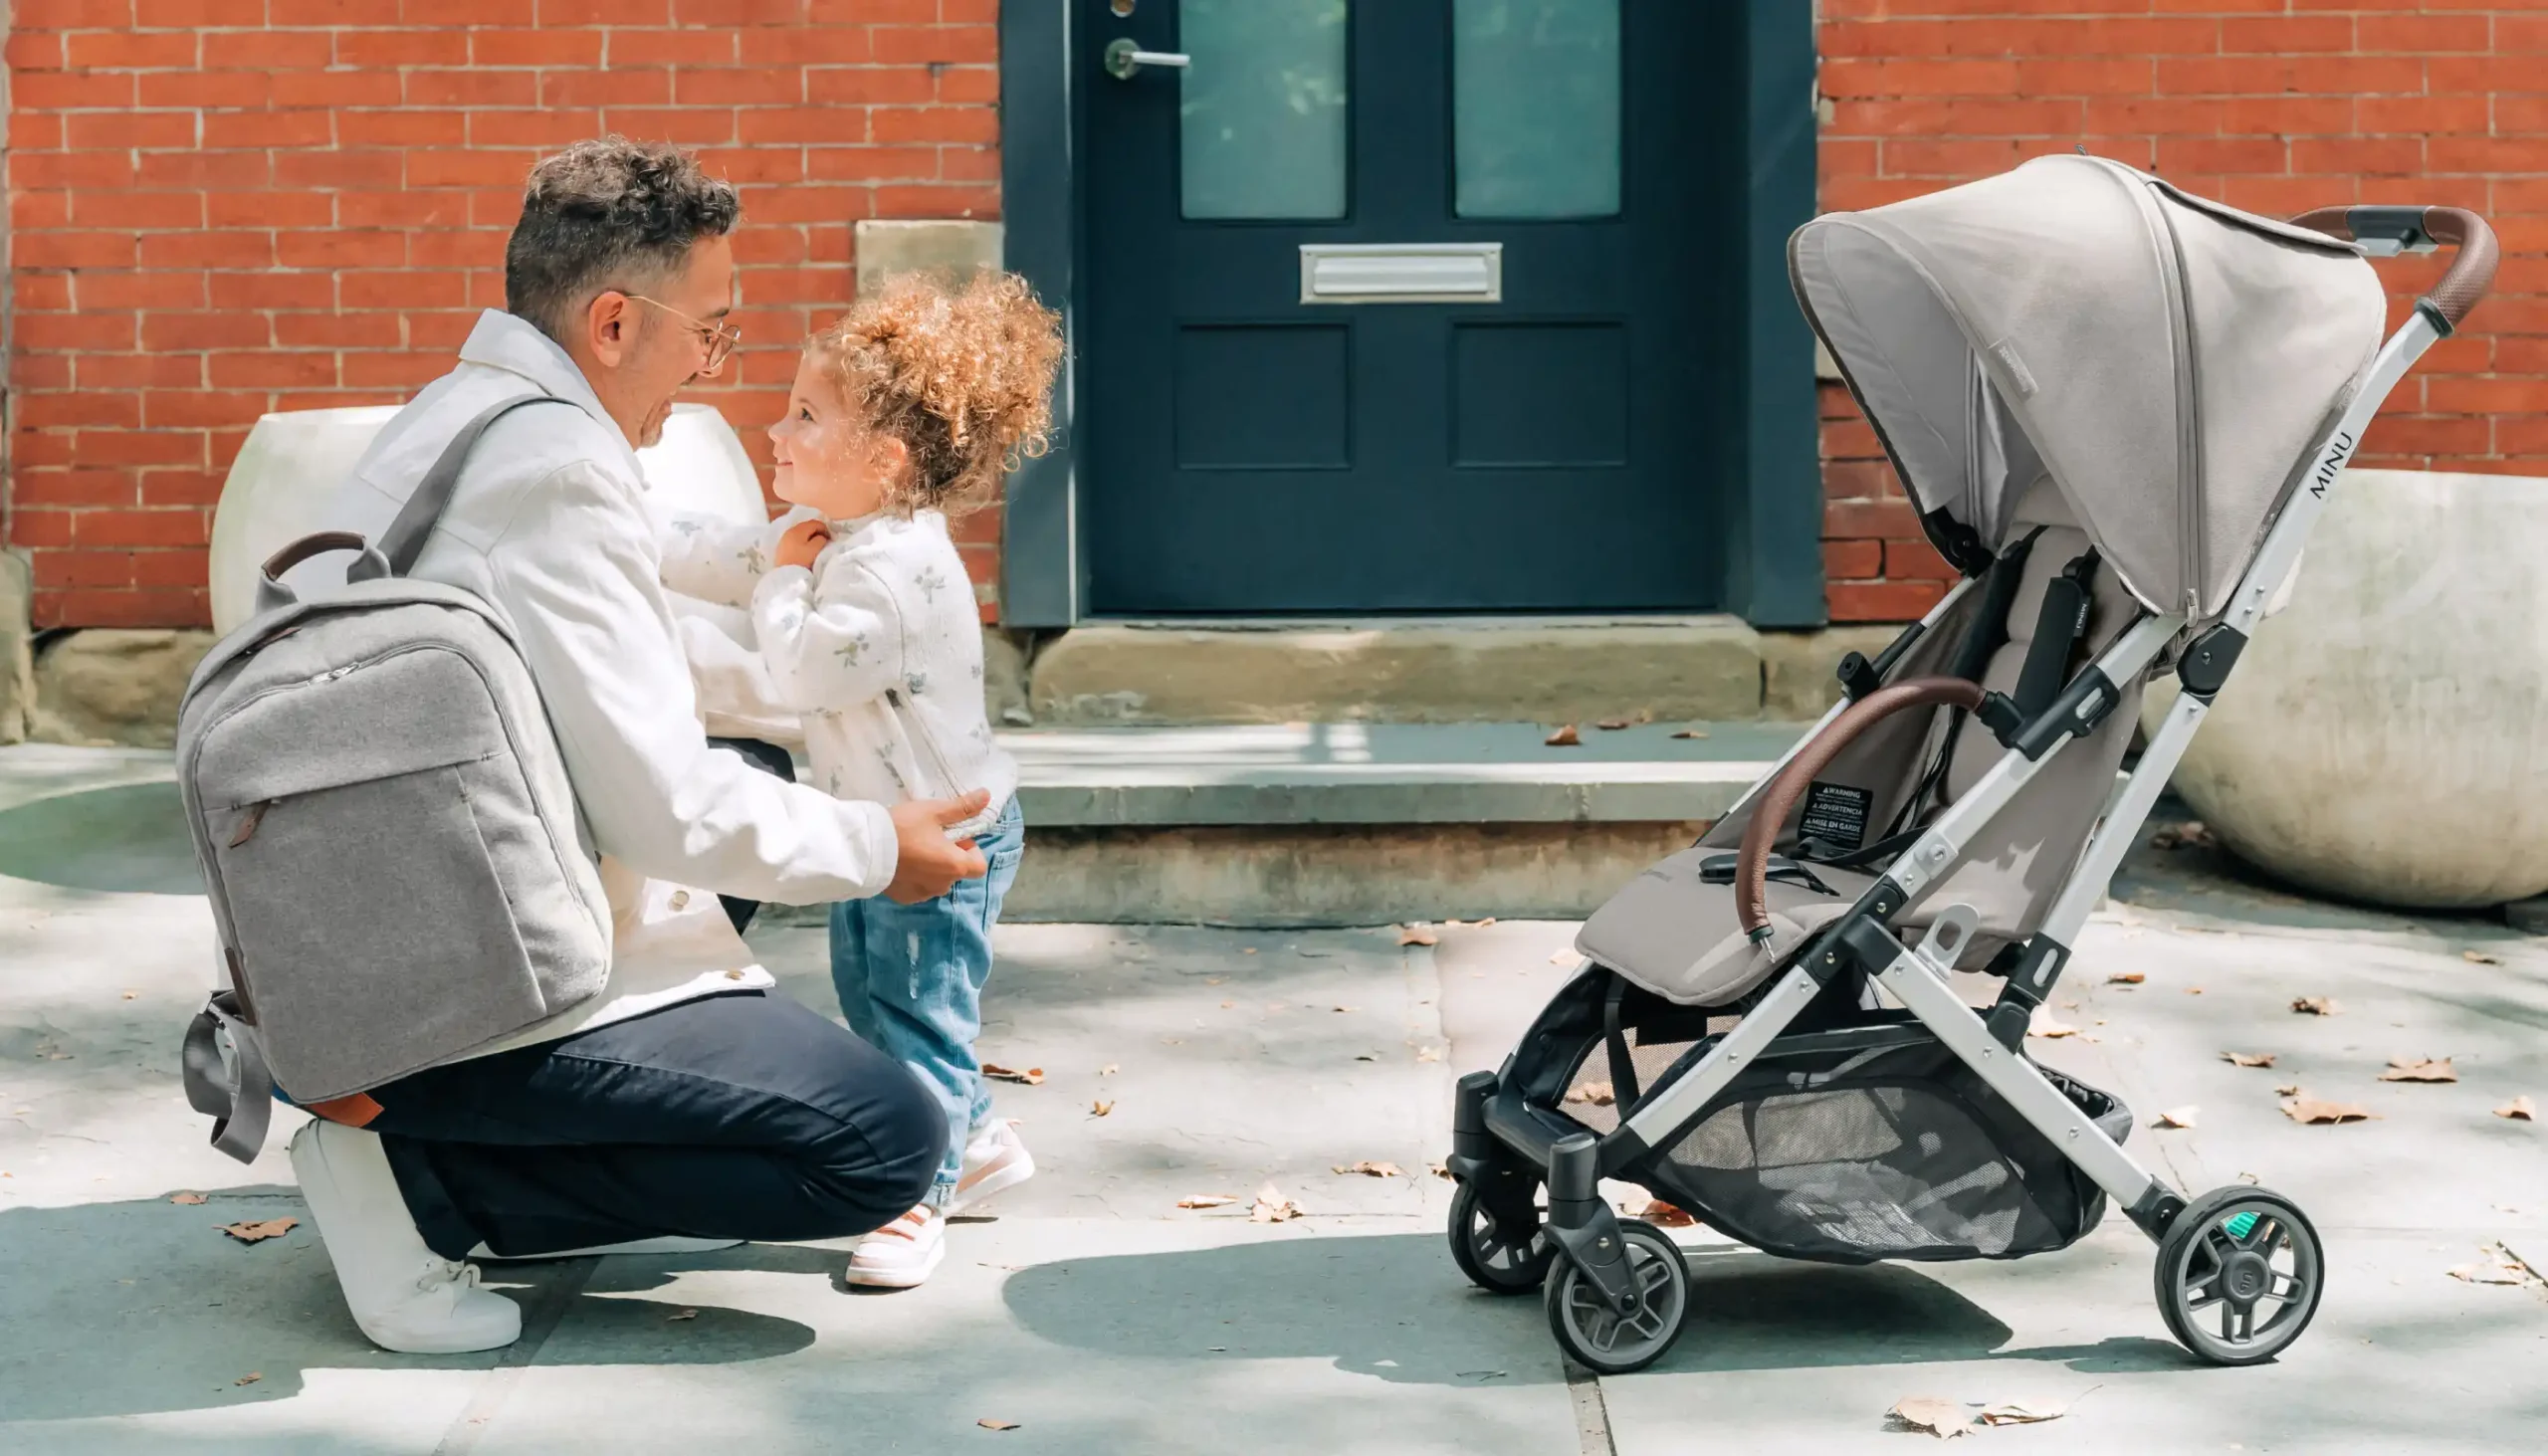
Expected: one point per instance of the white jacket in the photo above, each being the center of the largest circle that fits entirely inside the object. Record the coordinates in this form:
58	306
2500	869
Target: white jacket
877	650
549	524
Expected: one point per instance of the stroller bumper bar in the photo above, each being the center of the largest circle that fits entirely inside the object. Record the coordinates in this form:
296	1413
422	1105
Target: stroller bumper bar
2385	232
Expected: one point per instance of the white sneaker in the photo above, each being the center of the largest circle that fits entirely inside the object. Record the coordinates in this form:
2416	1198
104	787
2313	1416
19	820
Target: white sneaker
901	1253
667	1244
995	1158
405	1296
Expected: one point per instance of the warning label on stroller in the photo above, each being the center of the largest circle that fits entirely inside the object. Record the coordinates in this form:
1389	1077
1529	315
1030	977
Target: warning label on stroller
1835	814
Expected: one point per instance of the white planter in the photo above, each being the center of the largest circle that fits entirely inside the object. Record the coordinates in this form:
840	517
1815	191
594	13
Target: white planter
291	463
2383	738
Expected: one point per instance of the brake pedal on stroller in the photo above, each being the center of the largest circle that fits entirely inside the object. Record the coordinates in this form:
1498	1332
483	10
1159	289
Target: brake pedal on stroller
1766	1030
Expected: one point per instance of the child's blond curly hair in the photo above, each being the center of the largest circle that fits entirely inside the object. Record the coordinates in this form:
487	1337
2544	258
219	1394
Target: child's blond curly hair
962	376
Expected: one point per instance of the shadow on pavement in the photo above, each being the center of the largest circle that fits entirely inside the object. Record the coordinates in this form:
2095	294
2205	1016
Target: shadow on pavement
130	838
123	1308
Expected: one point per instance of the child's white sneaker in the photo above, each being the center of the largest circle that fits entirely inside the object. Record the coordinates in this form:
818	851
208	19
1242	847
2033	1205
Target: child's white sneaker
901	1253
995	1158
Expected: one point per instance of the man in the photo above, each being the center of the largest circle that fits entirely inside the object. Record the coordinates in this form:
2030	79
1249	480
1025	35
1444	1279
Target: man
686	1106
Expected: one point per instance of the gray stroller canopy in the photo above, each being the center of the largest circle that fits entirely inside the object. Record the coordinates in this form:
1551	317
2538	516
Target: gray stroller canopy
2167	360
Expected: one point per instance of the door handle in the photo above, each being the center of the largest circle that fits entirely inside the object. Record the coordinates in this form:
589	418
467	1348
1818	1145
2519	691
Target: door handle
1124	58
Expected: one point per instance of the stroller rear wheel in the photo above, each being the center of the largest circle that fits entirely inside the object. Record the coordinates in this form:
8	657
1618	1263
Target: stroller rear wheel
2239	1274
1598	1336
1497	1258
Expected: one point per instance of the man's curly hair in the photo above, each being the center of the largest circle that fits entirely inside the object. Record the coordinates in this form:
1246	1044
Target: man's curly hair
962	376
610	213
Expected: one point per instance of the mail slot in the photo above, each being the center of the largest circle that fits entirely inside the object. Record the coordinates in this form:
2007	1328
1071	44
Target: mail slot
1401	272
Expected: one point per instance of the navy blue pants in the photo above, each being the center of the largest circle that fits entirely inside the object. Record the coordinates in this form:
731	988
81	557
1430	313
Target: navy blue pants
741	1116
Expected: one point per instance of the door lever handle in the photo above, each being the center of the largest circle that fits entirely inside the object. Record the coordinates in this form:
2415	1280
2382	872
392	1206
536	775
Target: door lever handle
1124	58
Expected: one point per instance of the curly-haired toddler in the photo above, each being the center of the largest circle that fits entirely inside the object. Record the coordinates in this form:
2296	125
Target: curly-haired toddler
907	411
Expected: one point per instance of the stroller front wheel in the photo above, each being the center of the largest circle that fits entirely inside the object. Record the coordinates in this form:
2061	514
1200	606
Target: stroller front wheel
1598	1336
1495	1257
2239	1274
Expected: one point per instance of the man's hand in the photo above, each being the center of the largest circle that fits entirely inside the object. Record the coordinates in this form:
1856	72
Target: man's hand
800	544
928	863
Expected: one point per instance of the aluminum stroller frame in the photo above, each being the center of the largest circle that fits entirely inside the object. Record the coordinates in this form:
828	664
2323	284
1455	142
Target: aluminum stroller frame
1617	1289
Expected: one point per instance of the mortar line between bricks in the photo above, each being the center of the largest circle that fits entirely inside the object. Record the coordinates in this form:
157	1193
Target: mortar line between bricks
540	1322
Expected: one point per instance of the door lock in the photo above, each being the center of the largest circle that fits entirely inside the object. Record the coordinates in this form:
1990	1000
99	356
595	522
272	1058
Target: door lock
1124	58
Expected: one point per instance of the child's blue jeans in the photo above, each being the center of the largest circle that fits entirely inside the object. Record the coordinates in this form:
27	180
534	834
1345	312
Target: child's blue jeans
909	979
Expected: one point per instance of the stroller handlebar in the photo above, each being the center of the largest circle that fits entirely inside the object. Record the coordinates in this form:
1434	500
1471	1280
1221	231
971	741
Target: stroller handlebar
1751	863
2421	230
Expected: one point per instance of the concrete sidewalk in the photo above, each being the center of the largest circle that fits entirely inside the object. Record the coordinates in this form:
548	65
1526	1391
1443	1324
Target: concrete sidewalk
1091	1311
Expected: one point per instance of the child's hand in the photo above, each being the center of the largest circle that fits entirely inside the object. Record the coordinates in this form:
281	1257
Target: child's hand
802	542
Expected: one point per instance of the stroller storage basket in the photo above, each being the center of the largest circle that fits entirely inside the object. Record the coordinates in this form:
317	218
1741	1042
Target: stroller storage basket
1902	1153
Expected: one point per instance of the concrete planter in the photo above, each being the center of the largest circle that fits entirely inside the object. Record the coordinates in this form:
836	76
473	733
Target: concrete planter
2382	737
292	461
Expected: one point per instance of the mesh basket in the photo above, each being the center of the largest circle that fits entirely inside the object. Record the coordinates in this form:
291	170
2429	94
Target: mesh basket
1899	1154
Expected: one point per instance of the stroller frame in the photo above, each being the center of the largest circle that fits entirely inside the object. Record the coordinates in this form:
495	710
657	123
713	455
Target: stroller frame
1503	1143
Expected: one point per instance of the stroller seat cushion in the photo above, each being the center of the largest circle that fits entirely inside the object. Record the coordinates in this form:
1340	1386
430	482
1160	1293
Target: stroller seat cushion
1673	930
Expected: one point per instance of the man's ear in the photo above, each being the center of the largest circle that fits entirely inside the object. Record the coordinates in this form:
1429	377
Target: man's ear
610	327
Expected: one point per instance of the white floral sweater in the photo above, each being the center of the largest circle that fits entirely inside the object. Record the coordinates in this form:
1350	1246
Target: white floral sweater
877	650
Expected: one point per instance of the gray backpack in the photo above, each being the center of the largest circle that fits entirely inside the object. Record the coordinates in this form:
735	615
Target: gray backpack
385	830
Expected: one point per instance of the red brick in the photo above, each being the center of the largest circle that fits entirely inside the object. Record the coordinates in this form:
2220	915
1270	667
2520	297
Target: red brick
543	129
239	249
332	12
72	487
84	407
266	50
960	44
633	88
626	47
131	50
141	372
200	409
535	47
206	88
2288	35
39	291
164	567
75	250
40	529
770	86
203	331
81	568
224	129
860	85
269	370
868	165
688	126
268	209
272	290
403	128
303	89
471	88
137	528
1858	519
140	447
604	12
74	332
52	91
1852	561
101	209
206	170
198	14
1915	561
976	125
129	129
188	487
469	169
33	52
1881	601
99	288
388	50
431	209
336	330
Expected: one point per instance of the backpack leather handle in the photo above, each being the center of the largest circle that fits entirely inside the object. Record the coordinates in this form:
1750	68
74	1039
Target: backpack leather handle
271	591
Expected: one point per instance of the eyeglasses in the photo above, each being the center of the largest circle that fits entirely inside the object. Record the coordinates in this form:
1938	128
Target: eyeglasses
719	338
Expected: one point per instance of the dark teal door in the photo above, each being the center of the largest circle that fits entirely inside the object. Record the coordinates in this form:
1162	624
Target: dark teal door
1406	306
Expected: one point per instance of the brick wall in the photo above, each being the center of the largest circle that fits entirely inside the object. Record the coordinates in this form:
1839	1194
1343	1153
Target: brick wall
2277	106
225	207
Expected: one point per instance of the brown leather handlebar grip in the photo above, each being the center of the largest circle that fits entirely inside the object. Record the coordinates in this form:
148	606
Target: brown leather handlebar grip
1751	863
2474	257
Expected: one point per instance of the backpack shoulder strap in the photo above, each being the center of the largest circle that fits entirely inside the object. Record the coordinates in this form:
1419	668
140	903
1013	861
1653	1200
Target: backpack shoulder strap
405	538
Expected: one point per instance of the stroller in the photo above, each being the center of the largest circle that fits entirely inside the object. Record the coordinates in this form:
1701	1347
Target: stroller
2119	409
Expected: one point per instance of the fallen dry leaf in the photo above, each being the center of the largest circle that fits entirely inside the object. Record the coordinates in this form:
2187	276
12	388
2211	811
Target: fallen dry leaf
2019	1413
131	995
1482	924
1419	936
1612	724
1562	954
2175	1117
1440	1171
1107	1070
1600	1094
2194	991
1428	1054
2126	978
1205	1201
254	1233
2292	1090
995	1423
250	1379
2480	958
1273	1207
185	1197
2422	1070
2521	1110
681	1315
1032	1076
1691	734
1940	1418
2316	1006
1372	1170
1344	1009
1100	1108
2048	1026
1565	738
2500	1266
2249	1059
2313	1109
2191	835
1666	1215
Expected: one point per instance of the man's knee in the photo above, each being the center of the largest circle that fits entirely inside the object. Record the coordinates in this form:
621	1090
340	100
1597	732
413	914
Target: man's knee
883	1159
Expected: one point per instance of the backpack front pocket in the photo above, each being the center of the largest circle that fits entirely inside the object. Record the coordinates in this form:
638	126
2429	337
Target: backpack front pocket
372	932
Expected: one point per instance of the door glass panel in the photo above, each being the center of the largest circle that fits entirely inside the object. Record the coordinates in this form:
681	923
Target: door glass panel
1262	124
1535	107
